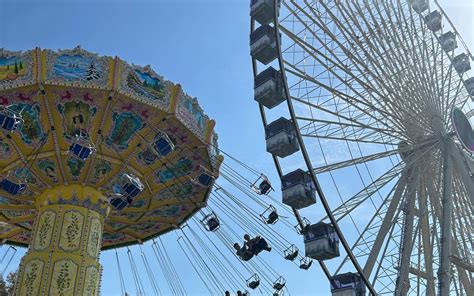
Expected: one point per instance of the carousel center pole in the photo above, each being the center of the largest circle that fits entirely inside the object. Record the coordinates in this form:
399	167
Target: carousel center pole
67	236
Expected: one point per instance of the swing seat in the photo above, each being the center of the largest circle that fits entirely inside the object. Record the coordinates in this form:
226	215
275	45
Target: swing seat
213	224
130	185
9	122
80	151
305	265
205	179
279	283
12	187
292	256
119	203
131	189
278	286
254	284
272	218
163	146
264	187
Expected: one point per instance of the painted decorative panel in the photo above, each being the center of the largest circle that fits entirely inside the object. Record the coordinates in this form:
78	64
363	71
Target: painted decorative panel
31	130
181	191
77	117
95	237
100	171
167	212
143	228
180	168
16	68
31	278
192	115
48	167
64	278
76	67
124	127
71	231
44	232
144	84
5	149
91	281
75	166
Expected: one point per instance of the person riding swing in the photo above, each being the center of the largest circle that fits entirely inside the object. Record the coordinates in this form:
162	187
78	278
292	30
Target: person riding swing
244	253
256	244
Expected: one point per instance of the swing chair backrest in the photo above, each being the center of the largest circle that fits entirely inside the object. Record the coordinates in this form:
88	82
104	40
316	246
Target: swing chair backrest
9	120
163	145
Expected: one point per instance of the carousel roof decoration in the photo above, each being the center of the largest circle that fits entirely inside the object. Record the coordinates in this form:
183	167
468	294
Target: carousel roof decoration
87	119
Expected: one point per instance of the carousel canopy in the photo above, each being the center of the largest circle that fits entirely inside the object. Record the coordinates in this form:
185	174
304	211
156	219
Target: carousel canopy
73	117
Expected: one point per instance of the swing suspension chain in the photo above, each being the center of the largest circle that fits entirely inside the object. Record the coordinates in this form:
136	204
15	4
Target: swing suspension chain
122	283
136	275
149	272
173	270
158	255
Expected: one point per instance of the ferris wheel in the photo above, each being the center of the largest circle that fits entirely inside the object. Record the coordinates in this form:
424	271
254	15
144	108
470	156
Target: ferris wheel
372	102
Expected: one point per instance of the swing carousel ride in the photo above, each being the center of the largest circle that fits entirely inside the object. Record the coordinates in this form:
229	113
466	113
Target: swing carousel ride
97	154
94	154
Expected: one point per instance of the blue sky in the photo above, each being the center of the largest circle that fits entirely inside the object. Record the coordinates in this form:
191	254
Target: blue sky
203	45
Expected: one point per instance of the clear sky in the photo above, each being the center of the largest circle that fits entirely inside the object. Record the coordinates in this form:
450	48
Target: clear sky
203	45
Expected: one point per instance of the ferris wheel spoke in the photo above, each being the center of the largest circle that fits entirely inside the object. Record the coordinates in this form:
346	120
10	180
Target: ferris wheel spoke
314	53
455	101
371	239
414	77
330	64
369	141
407	236
355	201
340	114
344	52
382	41
328	128
382	59
362	246
368	57
462	222
462	266
461	168
415	56
426	242
352	162
347	98
386	225
385	273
